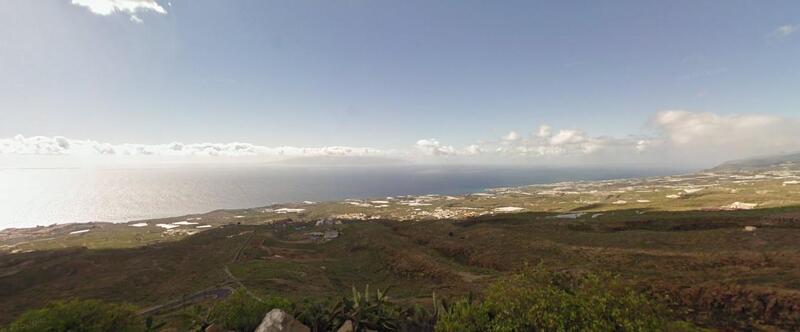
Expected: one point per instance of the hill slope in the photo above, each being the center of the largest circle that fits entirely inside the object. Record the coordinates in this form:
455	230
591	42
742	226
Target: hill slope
705	261
786	161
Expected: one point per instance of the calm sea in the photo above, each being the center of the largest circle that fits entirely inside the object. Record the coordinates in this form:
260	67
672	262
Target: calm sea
30	197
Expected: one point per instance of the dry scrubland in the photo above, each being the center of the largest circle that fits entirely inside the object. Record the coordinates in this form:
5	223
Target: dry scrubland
719	247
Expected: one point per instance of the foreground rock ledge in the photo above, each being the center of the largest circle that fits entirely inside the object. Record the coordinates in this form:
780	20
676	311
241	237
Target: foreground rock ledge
278	320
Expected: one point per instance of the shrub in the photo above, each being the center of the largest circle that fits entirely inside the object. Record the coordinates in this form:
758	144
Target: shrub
464	315
318	316
79	315
538	300
241	312
418	318
367	312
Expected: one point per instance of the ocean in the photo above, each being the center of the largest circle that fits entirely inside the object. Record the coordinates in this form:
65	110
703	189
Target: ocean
33	196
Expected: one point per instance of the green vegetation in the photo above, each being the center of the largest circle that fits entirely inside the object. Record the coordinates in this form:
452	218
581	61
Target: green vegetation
80	315
713	271
538	300
533	299
363	310
242	313
465	315
720	247
366	312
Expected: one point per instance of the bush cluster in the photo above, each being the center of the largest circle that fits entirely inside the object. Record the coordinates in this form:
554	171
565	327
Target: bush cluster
533	299
538	300
79	315
241	312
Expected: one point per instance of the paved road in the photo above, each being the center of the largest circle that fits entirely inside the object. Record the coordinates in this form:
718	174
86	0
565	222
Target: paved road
206	294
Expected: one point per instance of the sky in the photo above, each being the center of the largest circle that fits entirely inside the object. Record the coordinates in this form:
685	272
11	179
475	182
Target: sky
559	82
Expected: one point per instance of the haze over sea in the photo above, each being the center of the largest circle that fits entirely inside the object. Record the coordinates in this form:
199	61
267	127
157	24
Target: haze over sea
43	196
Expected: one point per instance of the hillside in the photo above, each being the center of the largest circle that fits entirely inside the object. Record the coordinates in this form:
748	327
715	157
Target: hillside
786	161
721	245
711	190
706	261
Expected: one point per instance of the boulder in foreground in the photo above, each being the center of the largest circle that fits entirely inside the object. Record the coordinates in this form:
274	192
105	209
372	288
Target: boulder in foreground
278	320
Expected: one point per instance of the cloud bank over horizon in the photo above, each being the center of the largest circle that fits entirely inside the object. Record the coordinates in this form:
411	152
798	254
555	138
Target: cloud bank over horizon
58	145
677	136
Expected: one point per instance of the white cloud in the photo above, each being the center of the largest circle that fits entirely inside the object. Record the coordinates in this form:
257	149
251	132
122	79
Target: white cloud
512	136
784	31
677	136
683	127
567	137
57	145
432	147
642	145
131	7
566	143
544	131
731	135
473	150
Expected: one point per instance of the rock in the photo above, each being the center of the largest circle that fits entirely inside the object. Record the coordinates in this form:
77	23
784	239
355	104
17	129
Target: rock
346	327
330	234
508	209
278	320
316	235
740	206
749	228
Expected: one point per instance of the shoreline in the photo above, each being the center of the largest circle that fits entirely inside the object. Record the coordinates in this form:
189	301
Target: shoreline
575	200
189	210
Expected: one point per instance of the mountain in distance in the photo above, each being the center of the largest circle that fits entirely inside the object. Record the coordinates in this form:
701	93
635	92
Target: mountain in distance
783	161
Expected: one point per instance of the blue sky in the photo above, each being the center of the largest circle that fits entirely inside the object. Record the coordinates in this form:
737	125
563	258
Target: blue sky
387	74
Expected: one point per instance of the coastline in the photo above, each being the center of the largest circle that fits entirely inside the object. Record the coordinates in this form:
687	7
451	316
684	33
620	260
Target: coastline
59	196
706	190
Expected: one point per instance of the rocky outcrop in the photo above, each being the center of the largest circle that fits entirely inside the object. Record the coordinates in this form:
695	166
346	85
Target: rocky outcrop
278	320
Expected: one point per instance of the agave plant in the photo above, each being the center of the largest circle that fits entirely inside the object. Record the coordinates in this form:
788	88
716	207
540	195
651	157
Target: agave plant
419	318
318	316
367	312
